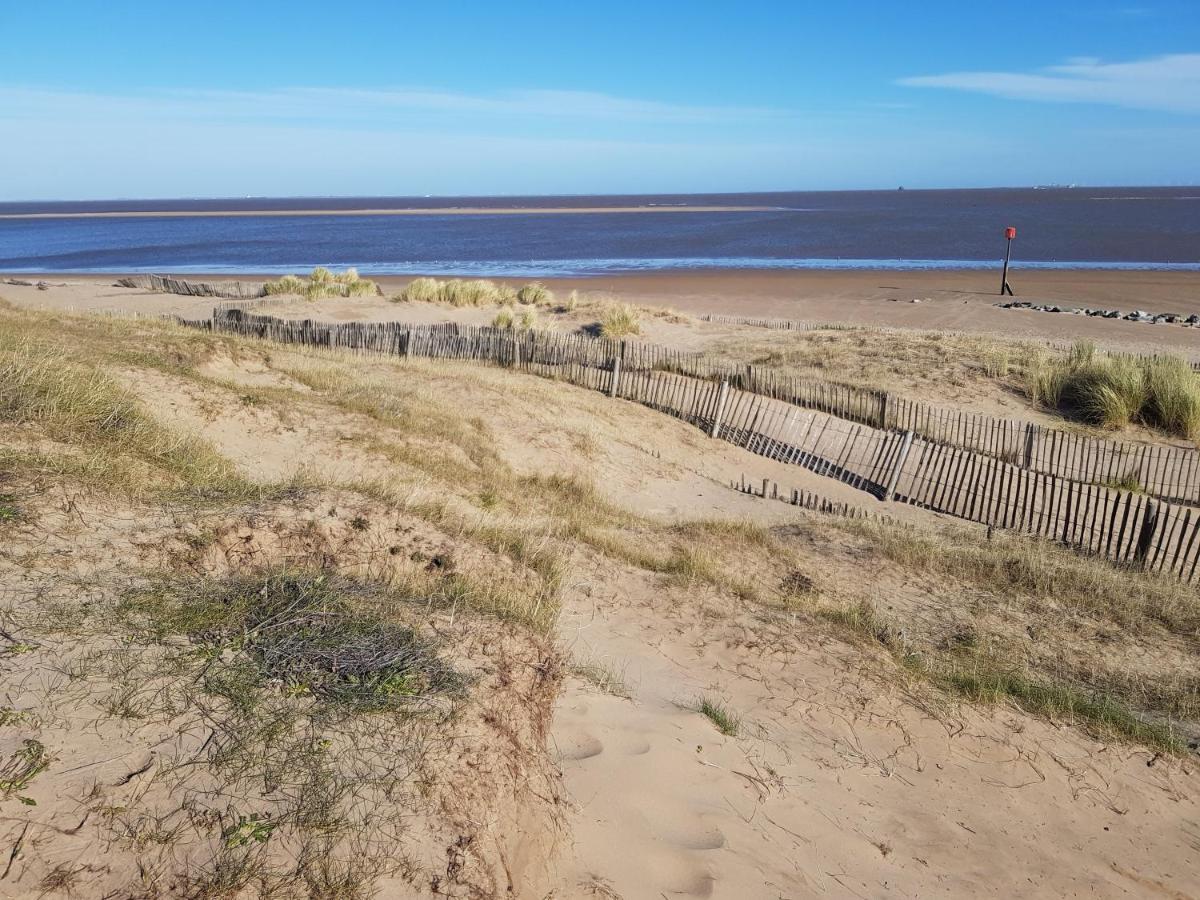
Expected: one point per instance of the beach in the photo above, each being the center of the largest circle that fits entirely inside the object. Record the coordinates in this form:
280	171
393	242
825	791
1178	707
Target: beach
951	300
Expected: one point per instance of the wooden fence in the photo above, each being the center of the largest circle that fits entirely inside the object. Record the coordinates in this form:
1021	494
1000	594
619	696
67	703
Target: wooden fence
1169	473
165	285
1123	526
811	501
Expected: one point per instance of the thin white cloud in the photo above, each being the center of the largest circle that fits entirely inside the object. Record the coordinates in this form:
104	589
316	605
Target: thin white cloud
334	104
1167	83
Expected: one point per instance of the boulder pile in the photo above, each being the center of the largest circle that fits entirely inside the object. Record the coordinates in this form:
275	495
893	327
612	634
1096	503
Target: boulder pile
1137	315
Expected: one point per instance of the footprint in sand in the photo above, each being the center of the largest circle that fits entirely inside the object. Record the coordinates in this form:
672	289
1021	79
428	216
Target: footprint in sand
636	747
699	885
698	839
582	747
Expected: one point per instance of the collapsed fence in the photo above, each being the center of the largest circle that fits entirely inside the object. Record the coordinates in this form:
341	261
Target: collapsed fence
813	502
1120	525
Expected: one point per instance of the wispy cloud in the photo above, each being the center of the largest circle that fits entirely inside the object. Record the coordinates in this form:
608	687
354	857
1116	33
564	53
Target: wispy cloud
380	105
1169	83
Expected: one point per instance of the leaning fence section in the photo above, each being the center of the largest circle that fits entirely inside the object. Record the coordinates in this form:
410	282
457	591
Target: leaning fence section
166	285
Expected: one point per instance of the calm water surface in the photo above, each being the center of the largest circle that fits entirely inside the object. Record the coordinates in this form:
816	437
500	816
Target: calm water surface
1156	228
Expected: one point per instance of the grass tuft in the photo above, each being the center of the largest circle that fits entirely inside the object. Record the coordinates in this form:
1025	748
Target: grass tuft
323	283
21	767
620	320
720	715
535	294
476	292
605	677
1114	391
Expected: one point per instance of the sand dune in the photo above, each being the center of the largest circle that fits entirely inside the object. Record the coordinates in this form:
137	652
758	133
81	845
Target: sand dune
580	765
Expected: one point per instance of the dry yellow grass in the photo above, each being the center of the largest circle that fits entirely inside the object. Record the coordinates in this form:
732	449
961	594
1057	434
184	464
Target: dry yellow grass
619	320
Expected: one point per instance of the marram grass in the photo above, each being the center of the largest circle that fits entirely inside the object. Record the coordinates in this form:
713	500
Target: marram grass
620	320
473	292
1114	391
323	283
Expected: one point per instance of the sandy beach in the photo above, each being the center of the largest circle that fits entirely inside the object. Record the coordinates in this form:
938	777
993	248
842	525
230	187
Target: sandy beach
960	300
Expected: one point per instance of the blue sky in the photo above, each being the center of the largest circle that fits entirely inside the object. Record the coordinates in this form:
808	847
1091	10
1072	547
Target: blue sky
154	99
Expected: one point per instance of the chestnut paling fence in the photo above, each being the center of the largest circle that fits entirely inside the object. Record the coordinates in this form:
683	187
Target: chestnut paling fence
1168	473
832	430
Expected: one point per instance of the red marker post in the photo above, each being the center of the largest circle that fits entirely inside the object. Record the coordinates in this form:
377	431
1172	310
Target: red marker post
1010	234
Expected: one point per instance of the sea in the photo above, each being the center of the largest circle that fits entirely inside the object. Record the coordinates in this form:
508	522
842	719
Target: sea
1057	228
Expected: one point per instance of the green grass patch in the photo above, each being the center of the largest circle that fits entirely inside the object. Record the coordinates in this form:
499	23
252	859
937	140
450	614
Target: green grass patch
9	511
962	669
989	682
720	715
78	404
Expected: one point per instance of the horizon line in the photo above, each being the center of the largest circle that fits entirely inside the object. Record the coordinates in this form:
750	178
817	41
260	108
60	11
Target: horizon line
502	196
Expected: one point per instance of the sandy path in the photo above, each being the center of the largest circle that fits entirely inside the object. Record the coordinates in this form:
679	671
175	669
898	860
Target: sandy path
840	783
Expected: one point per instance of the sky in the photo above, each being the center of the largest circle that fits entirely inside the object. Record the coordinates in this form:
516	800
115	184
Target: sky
126	99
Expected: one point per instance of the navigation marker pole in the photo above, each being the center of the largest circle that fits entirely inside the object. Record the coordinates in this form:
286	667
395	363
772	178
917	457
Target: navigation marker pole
1005	287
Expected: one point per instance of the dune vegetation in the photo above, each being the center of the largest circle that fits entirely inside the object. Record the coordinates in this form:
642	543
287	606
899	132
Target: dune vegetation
524	318
474	292
1114	390
321	283
618	320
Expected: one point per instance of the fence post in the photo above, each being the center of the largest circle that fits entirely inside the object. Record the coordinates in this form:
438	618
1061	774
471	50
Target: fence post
1027	462
616	376
883	405
722	393
905	445
515	362
1146	535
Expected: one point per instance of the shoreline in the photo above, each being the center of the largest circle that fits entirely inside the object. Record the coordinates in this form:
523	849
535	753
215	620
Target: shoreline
544	270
